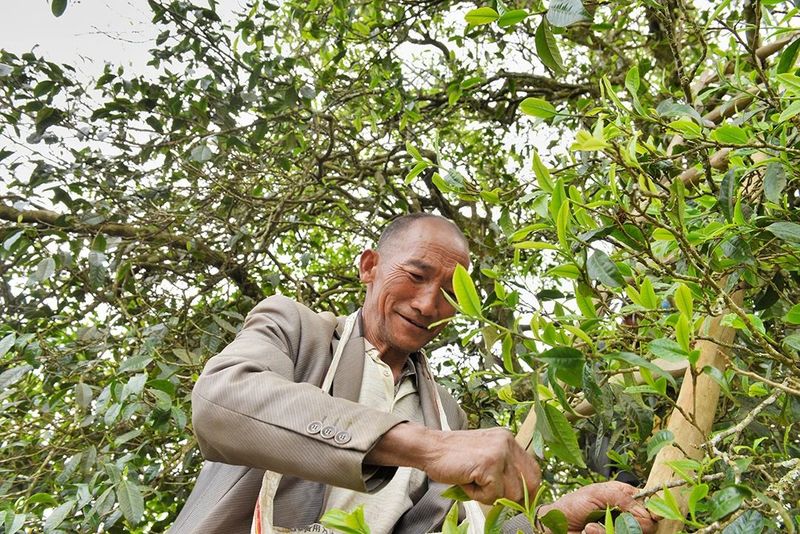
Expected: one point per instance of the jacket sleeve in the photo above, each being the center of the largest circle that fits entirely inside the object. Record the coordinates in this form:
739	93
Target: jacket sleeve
248	410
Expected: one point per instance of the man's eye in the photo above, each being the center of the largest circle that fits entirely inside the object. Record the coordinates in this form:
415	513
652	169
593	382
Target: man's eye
415	276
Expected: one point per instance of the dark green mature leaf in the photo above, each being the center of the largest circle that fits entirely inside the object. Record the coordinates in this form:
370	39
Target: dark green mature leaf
58	7
556	521
558	434
774	182
11	376
667	349
547	47
6	343
626	524
131	501
750	522
660	439
788	231
727	501
567	362
788	57
562	13
599	267
58	516
727	194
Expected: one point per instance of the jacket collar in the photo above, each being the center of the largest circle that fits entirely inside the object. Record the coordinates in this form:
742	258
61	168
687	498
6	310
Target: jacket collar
347	381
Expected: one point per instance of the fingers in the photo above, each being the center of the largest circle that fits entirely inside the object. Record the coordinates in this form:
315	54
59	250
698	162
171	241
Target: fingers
594	528
488	464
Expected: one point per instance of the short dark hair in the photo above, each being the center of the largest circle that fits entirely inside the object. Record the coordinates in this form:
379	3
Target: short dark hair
399	225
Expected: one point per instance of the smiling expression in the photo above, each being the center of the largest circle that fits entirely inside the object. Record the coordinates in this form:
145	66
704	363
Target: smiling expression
405	280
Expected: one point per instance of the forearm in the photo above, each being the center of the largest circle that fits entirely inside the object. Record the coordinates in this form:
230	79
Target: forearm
405	445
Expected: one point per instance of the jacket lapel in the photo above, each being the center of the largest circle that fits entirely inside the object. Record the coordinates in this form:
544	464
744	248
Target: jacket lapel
347	381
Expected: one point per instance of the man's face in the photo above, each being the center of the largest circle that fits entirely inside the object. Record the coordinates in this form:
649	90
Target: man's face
405	281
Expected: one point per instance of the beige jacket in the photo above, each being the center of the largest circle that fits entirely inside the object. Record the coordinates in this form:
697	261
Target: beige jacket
257	405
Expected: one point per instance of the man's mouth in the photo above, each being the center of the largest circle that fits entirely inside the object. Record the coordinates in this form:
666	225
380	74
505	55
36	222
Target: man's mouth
421	326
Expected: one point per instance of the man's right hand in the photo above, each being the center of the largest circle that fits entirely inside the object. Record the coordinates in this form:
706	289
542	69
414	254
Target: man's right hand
488	464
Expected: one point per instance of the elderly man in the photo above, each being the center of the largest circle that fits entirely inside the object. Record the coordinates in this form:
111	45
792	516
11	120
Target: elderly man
376	440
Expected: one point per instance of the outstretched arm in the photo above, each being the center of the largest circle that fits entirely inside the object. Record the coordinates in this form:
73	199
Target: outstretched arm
488	464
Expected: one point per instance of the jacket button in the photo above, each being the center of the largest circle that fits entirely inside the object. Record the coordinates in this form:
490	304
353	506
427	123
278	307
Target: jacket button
342	437
314	427
328	432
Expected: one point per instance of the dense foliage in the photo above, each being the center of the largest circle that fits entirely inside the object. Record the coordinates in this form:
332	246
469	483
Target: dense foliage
623	170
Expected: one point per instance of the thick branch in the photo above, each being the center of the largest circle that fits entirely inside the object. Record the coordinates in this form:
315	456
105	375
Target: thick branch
148	234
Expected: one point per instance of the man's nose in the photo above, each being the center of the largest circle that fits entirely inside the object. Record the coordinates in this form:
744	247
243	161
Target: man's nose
426	301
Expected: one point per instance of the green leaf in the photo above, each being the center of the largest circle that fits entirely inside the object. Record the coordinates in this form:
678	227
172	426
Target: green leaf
131	502
509	18
547	48
792	341
562	13
667	349
13	522
201	153
556	521
586	142
562	224
58	7
456	493
558	434
536	245
648	294
793	315
482	15
567	362
750	522
11	376
414	152
542	173
348	523
727	501
788	231
660	439
600	268
666	507
683	333
684	301
58	516
688	129
413	173
774	182
789	112
697	494
626	524
632	80
537	107
45	269
568	270
727	195
6	343
788	57
790	81
465	291
730	134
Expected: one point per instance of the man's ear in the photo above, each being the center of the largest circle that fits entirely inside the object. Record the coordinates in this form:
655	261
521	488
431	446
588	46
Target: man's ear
367	264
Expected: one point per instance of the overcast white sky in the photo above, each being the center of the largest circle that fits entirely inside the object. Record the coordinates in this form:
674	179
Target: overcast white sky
88	34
